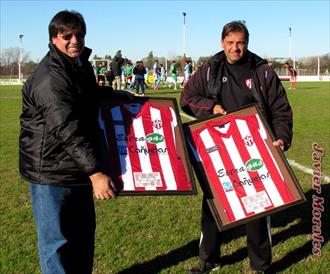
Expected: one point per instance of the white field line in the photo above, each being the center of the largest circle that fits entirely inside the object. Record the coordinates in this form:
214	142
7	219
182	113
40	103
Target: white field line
307	170
291	162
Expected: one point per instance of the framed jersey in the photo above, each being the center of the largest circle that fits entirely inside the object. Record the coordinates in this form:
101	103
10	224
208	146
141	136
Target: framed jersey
242	174
142	146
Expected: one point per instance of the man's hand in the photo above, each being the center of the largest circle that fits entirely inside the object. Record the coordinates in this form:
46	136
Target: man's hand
103	186
217	109
279	143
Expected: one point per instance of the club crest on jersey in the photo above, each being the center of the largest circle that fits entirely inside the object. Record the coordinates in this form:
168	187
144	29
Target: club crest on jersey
248	140
157	124
227	186
248	83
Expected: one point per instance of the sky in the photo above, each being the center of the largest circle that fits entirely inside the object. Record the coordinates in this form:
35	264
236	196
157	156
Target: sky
138	27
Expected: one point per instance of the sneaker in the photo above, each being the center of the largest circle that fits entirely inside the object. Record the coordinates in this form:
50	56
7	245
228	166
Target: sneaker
206	268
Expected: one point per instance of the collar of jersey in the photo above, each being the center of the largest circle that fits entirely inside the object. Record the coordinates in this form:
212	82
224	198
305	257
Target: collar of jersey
228	119
144	108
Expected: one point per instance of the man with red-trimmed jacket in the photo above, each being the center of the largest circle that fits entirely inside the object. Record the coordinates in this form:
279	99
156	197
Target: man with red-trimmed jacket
231	79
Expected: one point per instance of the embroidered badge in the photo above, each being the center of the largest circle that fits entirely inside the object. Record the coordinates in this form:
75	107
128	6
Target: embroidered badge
248	83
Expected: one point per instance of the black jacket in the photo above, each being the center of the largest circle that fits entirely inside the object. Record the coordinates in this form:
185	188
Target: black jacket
58	121
202	91
139	71
115	66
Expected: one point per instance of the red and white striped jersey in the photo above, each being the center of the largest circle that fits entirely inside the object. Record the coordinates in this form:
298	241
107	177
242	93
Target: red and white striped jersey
239	164
144	156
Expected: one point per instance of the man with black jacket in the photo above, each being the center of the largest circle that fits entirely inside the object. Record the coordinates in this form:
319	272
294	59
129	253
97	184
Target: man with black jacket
115	66
56	151
231	79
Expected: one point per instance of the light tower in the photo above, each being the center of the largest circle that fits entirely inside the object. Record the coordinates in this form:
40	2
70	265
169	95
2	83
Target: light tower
20	57
184	36
290	44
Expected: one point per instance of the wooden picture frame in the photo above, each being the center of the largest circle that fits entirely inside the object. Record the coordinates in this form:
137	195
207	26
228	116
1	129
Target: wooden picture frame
242	174
142	147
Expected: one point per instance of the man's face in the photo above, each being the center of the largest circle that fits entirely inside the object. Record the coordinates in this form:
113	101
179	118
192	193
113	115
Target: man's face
234	46
70	42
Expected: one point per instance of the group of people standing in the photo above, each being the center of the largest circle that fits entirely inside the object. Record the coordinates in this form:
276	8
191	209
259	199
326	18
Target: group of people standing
120	70
57	154
159	74
112	73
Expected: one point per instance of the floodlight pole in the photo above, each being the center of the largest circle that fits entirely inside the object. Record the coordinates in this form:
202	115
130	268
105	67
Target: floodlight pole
290	44
184	36
20	57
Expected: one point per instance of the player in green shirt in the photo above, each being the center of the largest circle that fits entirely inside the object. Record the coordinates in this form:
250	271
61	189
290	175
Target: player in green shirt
173	73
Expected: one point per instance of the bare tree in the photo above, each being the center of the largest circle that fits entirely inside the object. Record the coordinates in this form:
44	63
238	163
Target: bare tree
9	61
8	57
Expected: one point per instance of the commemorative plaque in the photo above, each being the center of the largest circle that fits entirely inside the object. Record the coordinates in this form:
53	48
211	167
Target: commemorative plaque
242	174
142	146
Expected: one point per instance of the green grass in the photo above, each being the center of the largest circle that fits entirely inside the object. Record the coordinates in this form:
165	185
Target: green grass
161	234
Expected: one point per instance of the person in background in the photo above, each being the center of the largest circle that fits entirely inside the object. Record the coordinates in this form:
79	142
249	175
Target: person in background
116	68
139	72
128	74
56	149
101	71
293	75
173	73
146	82
163	75
187	72
156	73
190	68
231	79
132	85
109	75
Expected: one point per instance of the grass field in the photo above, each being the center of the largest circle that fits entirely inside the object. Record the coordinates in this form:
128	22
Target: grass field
161	234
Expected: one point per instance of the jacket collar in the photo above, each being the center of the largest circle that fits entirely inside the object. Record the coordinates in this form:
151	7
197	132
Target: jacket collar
216	69
253	59
67	62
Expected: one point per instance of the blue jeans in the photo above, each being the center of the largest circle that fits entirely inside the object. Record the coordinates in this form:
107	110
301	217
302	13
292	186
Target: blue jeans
139	82
65	220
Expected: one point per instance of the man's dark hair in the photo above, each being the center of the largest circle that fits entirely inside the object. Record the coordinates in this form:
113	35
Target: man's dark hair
66	20
235	26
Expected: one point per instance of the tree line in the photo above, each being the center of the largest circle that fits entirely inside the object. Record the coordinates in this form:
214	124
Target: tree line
9	61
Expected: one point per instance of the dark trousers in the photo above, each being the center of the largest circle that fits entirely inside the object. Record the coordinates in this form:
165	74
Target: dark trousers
258	241
139	84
